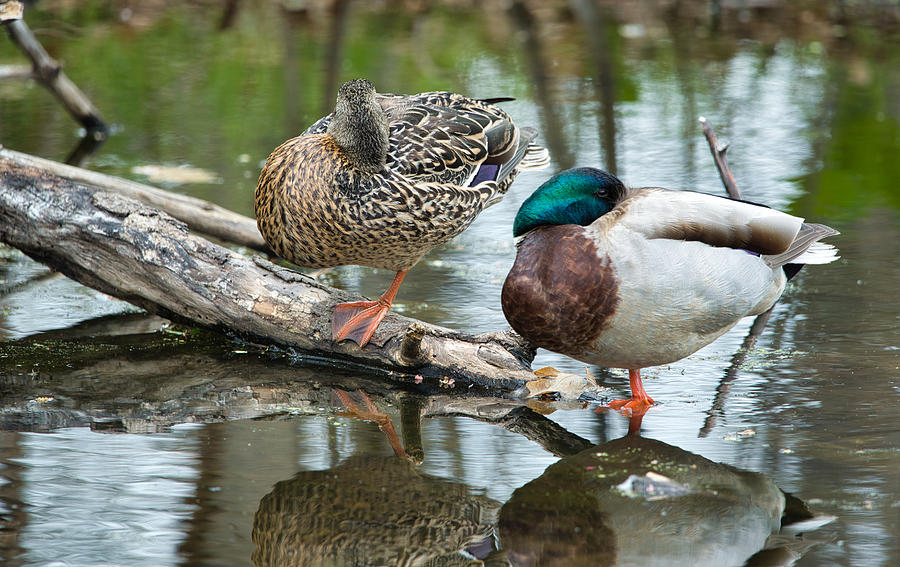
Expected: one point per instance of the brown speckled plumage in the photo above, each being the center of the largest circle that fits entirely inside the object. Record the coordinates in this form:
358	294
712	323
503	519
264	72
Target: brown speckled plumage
319	204
369	511
560	294
316	211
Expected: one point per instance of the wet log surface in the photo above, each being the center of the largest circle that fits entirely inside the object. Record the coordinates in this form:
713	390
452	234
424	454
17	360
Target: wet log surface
142	255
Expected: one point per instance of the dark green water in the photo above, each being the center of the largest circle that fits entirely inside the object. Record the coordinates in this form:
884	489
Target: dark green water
125	444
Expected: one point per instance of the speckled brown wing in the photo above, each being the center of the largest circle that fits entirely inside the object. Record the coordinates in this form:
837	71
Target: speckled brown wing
443	137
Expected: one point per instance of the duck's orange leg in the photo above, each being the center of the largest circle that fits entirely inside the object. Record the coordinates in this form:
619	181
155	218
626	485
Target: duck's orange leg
358	320
640	402
371	413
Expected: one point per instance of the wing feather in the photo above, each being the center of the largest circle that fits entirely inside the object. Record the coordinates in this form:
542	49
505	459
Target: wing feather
806	248
713	220
443	137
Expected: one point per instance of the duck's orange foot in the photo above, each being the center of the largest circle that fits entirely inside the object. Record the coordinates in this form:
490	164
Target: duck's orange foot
634	406
357	320
639	403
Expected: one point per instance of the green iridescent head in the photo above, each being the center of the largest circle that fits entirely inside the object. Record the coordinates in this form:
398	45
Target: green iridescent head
574	196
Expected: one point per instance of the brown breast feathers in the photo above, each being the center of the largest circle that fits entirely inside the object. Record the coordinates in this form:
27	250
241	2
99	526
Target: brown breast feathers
559	293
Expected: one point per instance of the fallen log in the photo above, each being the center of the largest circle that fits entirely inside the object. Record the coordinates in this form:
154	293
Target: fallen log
199	215
142	255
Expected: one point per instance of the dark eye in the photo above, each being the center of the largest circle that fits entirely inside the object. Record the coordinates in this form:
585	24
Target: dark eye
600	192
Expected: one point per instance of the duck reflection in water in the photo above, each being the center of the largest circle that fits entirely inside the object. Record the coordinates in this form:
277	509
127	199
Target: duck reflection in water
371	510
636	501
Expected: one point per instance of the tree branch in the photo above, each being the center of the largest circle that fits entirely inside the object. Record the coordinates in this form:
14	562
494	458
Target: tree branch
49	73
718	153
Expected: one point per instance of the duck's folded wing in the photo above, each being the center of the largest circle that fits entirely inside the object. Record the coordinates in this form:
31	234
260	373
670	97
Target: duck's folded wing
426	148
450	143
432	213
716	221
508	146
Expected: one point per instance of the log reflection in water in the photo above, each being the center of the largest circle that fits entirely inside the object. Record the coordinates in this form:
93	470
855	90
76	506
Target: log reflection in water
145	379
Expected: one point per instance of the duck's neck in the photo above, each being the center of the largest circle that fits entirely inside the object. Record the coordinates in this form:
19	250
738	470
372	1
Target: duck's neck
360	128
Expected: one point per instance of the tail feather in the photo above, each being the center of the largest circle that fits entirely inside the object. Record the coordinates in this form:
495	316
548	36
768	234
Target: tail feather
818	253
528	155
806	248
496	99
536	157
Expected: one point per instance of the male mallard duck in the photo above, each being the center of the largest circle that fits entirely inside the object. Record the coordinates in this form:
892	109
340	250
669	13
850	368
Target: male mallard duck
630	278
384	179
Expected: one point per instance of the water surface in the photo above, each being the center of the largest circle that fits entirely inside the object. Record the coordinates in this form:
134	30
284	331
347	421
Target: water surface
129	442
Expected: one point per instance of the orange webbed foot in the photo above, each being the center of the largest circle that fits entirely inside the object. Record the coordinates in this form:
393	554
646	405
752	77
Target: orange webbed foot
357	320
639	402
632	406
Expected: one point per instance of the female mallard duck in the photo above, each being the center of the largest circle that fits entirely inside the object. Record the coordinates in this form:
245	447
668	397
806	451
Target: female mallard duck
384	179
630	278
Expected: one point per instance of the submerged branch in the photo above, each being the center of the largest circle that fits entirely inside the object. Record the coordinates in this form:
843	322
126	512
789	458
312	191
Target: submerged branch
718	153
718	406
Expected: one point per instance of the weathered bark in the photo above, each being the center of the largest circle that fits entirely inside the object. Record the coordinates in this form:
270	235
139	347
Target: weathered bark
141	255
199	215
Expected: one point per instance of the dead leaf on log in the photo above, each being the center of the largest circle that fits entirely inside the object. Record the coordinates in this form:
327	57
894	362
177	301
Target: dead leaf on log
564	385
546	372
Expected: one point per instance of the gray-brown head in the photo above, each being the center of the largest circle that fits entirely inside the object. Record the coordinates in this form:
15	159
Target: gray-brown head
359	125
